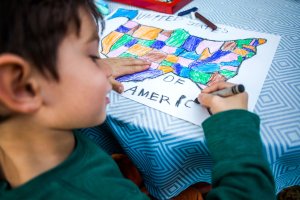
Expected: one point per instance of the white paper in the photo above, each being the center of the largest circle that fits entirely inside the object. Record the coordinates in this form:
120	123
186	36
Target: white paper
174	94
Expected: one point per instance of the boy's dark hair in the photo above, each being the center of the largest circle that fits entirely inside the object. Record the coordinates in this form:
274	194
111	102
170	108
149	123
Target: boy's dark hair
33	29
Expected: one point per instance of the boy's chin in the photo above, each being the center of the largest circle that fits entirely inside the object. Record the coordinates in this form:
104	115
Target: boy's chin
100	121
88	124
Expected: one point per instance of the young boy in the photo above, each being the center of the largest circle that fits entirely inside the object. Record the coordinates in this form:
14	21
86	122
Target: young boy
52	81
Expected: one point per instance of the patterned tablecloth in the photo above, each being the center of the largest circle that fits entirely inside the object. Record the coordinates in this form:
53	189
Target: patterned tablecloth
172	154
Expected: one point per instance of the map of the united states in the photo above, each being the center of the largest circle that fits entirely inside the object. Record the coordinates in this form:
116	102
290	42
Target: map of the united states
201	60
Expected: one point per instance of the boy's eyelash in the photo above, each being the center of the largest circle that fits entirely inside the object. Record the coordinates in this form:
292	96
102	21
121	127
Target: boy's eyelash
94	57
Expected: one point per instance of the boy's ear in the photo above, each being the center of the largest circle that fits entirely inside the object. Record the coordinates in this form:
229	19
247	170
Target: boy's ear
19	89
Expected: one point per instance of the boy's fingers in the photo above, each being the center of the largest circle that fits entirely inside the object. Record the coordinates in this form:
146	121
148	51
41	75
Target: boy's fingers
205	99
133	61
123	66
130	69
116	85
217	86
128	61
135	68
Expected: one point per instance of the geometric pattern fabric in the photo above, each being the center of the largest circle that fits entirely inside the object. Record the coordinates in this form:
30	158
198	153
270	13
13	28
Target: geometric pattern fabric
172	153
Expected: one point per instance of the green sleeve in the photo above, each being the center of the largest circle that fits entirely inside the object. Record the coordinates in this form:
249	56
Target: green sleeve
240	169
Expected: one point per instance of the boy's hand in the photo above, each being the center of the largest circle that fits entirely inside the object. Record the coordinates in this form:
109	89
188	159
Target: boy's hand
218	104
123	66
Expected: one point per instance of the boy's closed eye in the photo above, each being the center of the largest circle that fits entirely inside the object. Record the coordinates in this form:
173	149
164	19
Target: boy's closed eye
94	58
92	51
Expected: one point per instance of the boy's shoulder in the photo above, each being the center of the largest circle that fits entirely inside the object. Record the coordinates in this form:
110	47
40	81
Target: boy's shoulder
88	173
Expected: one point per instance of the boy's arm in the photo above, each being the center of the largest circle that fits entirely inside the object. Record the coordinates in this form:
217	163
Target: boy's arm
240	170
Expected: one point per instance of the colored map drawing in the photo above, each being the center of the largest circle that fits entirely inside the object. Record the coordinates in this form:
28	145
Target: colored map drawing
201	60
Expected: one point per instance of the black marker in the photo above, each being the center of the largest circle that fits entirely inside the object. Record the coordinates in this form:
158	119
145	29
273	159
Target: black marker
226	92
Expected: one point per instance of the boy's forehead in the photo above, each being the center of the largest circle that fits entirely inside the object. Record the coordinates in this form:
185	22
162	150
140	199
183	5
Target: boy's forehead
88	27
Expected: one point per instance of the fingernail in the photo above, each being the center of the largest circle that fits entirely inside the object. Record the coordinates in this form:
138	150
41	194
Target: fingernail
120	89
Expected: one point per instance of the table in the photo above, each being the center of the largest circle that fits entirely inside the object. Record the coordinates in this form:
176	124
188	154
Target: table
172	154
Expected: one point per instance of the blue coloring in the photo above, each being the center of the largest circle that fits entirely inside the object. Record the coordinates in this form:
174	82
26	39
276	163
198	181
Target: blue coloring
218	54
178	51
255	43
177	68
130	14
122	29
207	68
249	50
131	43
191	43
185	72
234	63
190	55
158	44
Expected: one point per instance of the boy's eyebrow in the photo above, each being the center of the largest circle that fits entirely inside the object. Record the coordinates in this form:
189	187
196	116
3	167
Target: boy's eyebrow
93	36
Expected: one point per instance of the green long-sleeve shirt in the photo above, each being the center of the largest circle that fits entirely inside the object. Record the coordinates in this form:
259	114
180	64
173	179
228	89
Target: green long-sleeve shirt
240	170
87	174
